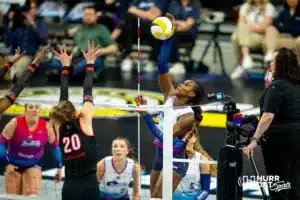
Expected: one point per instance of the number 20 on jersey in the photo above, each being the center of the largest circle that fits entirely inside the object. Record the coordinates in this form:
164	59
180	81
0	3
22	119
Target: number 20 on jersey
71	143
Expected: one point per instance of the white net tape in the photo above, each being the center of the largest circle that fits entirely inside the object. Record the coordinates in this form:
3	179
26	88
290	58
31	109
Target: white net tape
55	190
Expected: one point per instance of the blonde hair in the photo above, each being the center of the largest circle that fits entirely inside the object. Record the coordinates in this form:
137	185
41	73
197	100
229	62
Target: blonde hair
198	147
251	6
64	112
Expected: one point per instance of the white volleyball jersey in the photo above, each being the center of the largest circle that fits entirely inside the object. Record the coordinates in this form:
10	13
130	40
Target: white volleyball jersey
114	184
177	112
190	184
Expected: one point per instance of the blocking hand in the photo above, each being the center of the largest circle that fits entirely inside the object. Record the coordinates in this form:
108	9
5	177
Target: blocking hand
17	55
91	53
63	56
38	58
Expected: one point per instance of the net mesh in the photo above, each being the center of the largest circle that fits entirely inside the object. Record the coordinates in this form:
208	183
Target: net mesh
115	115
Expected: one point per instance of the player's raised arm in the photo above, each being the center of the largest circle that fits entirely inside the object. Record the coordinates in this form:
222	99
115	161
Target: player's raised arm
17	88
7	66
164	76
65	60
90	57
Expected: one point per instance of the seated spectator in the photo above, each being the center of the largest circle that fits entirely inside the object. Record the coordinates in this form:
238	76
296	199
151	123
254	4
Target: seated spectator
286	30
255	17
28	33
108	10
9	16
121	14
89	31
186	14
147	11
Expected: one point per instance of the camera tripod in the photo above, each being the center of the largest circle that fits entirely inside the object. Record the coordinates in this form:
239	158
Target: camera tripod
230	169
216	49
263	192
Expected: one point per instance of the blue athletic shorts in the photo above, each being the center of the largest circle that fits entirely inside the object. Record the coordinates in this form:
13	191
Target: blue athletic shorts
21	169
179	167
126	197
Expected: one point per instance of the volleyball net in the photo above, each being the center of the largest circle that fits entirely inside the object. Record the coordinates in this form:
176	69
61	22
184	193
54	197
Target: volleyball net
111	121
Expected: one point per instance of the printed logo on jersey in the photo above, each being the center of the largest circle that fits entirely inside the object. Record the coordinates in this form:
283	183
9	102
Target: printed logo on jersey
30	143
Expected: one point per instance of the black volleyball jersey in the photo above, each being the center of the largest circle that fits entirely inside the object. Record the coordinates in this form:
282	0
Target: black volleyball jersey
79	151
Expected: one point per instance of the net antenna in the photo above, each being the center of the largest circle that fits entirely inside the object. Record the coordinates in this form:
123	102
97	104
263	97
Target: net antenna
139	100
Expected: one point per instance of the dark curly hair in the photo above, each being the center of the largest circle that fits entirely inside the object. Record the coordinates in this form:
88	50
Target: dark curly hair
286	65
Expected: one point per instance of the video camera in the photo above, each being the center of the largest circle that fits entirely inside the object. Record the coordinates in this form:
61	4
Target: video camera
230	158
214	17
236	124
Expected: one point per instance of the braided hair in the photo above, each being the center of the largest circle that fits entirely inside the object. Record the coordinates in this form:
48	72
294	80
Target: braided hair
195	101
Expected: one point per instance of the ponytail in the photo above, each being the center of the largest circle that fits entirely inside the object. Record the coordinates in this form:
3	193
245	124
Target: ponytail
197	146
198	113
200	149
131	154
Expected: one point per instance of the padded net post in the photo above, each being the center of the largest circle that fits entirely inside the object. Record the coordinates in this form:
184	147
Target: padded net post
168	154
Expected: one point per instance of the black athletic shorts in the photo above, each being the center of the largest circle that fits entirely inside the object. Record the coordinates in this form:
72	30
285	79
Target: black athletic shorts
83	188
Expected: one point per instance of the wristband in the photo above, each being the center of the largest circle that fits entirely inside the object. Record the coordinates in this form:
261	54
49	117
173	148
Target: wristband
31	67
8	65
65	70
89	67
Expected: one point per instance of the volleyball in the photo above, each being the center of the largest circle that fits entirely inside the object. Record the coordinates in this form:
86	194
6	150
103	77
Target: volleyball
162	28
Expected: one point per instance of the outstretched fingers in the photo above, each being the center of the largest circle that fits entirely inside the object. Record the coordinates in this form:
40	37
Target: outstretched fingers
71	56
60	47
46	49
22	53
89	45
84	53
41	54
93	46
65	49
17	50
56	55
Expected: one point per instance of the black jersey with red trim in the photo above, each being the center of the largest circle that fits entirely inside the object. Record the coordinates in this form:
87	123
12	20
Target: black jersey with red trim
79	151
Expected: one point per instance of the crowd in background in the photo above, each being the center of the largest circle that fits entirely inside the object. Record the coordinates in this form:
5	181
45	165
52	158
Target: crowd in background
113	25
115	32
261	27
